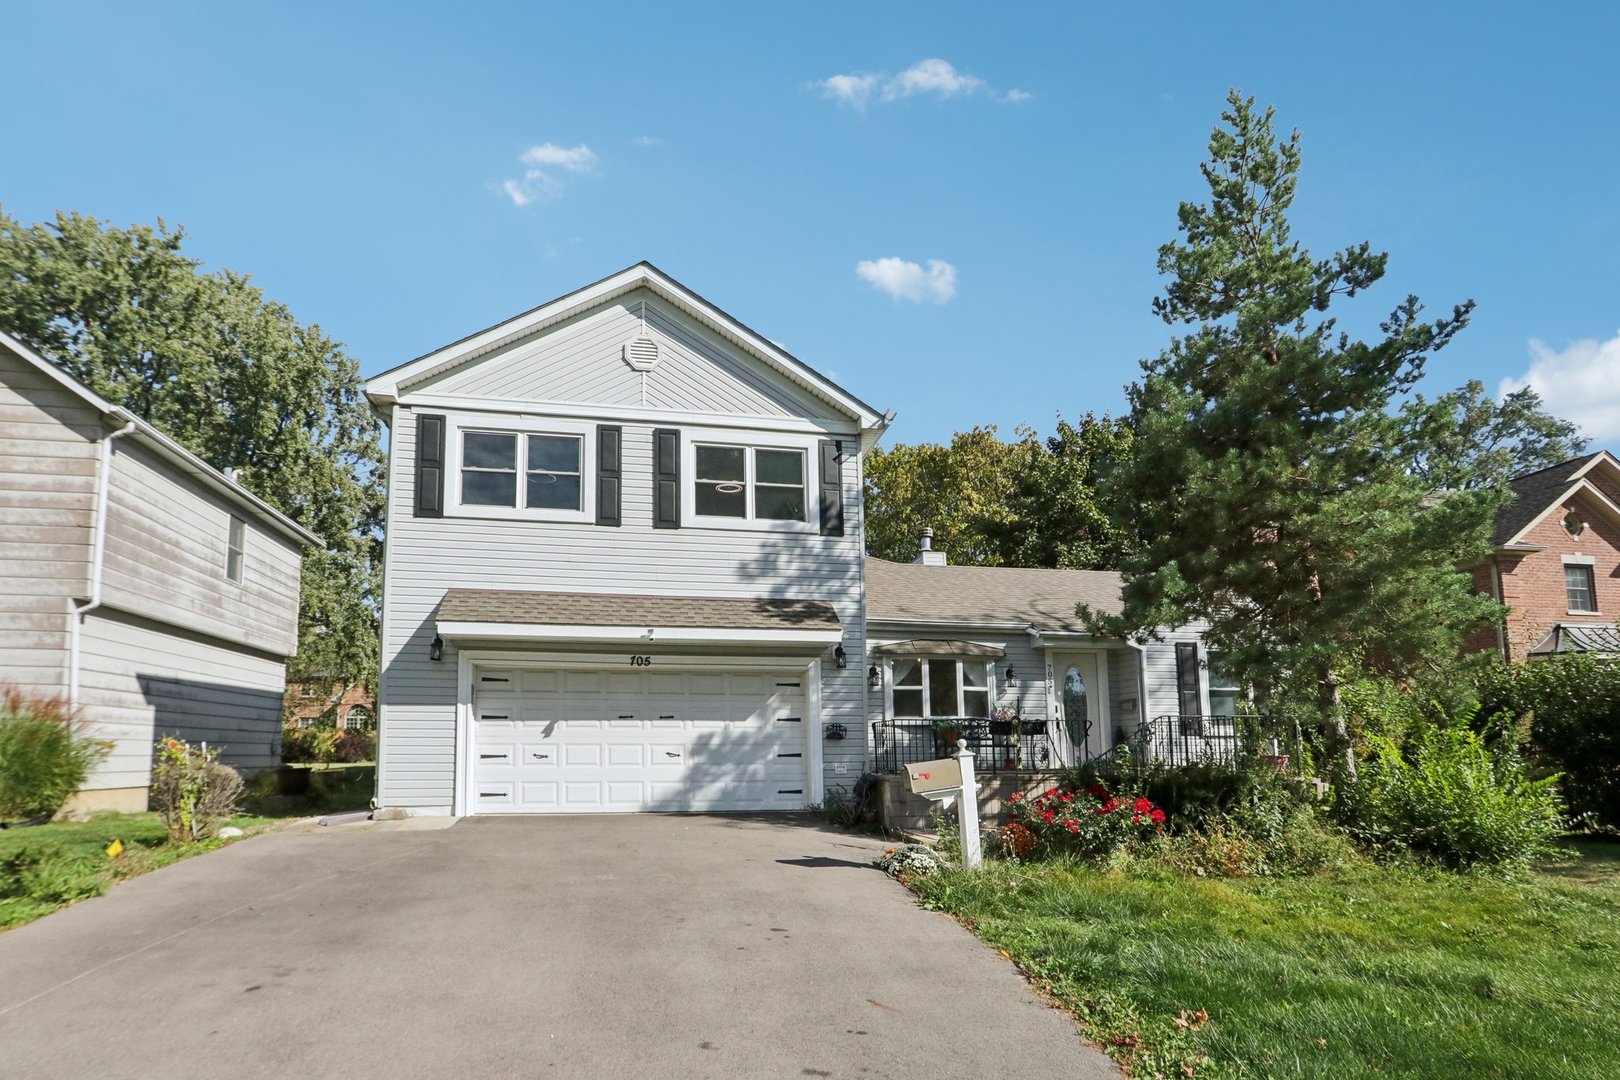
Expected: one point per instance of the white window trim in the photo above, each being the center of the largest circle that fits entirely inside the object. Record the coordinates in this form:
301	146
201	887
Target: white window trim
691	438
889	686
233	525
522	426
1589	564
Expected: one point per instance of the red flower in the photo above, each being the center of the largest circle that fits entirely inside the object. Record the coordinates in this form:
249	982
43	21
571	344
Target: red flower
1143	806
1049	815
1136	817
1157	816
1017	796
1072	826
1098	792
1111	805
1067	796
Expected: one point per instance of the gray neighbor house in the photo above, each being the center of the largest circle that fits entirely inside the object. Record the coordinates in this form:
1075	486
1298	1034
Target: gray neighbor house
138	583
625	571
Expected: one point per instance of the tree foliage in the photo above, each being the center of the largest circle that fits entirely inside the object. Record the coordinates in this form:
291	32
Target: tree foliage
1028	502
232	376
1467	439
1270	490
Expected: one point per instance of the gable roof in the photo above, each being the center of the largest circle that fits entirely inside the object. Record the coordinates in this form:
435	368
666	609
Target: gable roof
988	595
615	609
181	459
390	385
1535	494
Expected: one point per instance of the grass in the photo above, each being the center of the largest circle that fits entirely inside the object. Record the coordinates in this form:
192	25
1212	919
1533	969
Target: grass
1369	971
47	867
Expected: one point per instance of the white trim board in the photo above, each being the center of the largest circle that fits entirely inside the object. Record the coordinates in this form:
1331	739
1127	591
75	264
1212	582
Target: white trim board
643	635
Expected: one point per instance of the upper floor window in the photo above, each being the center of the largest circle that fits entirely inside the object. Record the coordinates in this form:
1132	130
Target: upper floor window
235	550
1580	587
749	483
497	466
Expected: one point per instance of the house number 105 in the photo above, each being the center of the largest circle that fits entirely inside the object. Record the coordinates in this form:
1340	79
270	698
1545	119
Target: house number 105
641	661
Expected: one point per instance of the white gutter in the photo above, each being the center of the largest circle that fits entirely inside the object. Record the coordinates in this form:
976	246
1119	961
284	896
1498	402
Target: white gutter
674	635
98	551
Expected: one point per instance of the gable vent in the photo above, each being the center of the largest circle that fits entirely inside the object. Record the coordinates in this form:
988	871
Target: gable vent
641	353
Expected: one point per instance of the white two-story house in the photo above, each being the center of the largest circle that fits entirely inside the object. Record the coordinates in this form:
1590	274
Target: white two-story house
625	571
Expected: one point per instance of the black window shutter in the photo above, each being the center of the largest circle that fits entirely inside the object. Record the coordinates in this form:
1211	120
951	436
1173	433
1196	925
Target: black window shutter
429	465
1189	696
609	442
666	478
832	489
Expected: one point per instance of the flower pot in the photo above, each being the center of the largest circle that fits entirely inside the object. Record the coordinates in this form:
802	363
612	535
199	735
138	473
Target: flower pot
1001	728
1032	727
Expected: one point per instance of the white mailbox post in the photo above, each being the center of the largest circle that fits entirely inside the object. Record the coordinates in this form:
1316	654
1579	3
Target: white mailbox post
950	778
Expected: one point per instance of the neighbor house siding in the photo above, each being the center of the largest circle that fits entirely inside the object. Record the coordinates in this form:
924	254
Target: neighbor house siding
427	556
165	558
140	680
47	522
580	361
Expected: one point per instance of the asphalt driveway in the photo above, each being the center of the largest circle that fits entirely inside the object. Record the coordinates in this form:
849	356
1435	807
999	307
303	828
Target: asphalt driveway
624	946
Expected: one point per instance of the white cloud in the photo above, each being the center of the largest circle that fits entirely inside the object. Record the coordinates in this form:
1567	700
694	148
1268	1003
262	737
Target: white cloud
649	140
541	179
933	77
577	159
904	280
849	89
1580	383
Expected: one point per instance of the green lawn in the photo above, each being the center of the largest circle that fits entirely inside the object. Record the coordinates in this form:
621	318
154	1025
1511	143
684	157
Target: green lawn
1371	972
47	867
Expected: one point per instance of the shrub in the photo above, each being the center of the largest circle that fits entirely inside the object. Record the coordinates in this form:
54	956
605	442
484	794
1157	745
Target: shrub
192	792
1251	790
1225	847
1091	822
1450	796
44	757
911	861
1571	705
352	747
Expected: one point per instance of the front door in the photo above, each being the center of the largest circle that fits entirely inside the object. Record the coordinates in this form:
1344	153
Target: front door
1079	695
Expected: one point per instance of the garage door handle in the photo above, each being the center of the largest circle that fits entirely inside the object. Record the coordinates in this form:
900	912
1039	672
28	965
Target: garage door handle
671	753
542	755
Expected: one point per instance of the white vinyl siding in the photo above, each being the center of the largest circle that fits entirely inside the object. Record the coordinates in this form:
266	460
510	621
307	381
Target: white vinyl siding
167	558
47	522
141	680
427	556
581	361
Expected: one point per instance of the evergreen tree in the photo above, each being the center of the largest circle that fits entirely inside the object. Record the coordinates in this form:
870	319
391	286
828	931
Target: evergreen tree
1270	490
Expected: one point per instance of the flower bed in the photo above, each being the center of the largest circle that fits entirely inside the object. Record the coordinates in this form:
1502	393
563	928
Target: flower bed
1091	822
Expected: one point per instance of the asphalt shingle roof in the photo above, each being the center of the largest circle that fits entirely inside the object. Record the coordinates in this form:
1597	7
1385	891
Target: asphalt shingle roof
909	592
1533	493
610	609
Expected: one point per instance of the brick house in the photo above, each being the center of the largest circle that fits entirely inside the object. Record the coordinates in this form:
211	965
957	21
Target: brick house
1557	562
316	701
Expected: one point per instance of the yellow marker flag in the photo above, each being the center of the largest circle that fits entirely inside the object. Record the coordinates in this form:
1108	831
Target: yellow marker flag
115	849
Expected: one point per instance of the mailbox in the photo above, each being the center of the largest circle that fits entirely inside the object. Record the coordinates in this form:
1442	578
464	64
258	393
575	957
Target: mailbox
941	779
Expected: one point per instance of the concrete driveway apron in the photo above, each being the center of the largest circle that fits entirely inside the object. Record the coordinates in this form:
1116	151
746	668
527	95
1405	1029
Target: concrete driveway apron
612	946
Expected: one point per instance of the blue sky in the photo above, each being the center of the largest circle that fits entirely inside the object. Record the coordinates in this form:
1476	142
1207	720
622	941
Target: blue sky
405	174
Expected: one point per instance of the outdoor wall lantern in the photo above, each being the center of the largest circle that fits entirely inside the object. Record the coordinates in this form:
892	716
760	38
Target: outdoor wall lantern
874	678
840	656
436	649
1012	677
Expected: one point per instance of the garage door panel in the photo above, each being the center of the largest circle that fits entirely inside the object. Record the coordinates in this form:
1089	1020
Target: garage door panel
604	742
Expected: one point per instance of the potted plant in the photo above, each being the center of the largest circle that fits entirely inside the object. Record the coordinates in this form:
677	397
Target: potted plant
1005	724
949	731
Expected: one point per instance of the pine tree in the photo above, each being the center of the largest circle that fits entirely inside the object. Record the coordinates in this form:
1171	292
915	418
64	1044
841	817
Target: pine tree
1271	491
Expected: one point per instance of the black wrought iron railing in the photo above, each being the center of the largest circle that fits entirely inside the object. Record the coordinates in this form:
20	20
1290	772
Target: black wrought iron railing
1180	739
996	745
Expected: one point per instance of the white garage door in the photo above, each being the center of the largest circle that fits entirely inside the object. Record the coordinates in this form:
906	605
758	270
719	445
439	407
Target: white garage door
602	742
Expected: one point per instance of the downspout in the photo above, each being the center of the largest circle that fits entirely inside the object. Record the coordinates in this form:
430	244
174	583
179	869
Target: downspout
98	550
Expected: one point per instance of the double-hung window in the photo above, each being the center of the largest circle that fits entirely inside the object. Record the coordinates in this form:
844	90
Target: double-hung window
235	549
749	483
1225	695
1580	587
499	468
933	687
